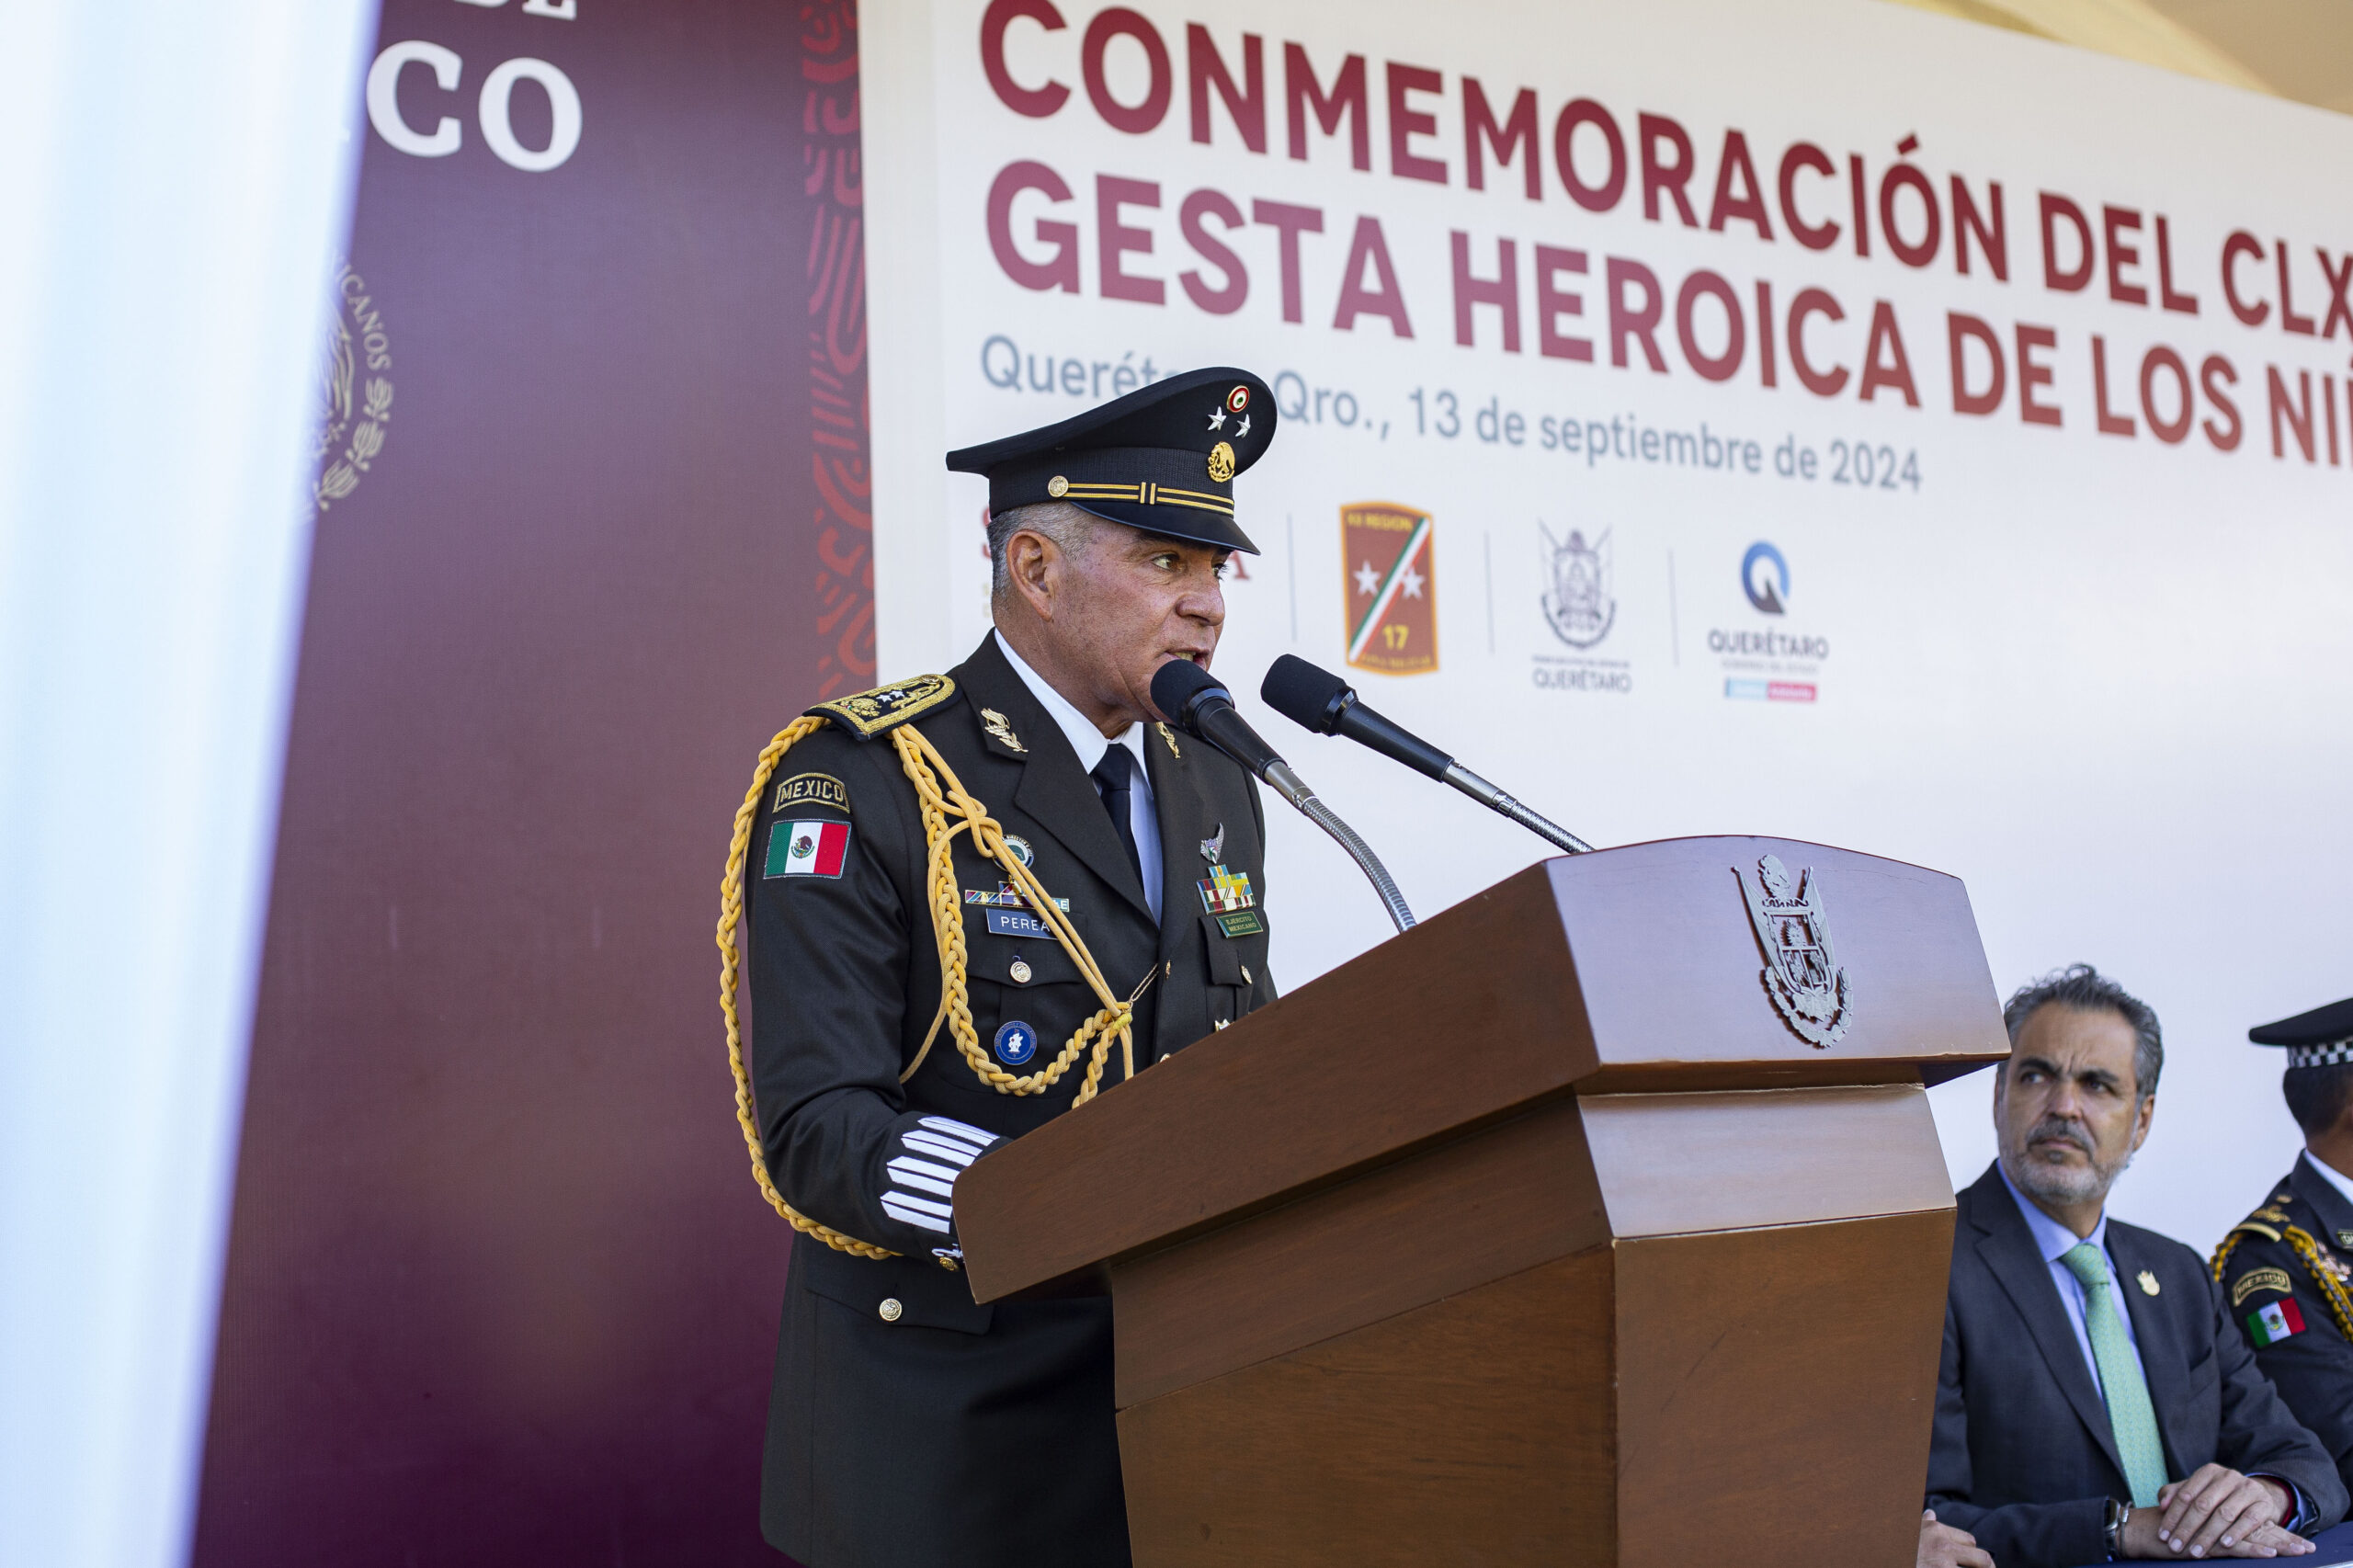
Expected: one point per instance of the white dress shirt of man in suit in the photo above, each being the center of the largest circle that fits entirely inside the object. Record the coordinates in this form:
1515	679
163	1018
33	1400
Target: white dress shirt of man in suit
2071	1109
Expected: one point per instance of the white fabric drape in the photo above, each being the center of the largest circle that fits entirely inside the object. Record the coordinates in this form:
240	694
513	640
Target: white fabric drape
174	189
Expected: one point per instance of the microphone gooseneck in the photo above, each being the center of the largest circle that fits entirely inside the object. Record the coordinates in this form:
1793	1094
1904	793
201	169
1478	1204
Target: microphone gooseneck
1319	700
1198	703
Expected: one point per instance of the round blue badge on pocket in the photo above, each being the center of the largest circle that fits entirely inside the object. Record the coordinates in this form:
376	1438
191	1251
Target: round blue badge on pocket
1016	1043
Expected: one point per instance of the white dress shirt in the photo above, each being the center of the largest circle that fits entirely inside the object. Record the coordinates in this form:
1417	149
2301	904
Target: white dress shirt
1089	742
2331	1174
2055	1240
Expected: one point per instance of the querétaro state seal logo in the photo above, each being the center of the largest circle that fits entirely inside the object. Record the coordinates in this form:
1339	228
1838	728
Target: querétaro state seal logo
1390	588
1802	973
1578	603
356	383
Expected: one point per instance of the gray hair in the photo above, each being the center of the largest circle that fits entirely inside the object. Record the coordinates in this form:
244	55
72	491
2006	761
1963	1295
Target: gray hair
1070	527
2082	986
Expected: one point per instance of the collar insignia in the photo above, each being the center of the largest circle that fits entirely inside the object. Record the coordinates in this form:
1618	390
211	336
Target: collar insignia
1170	736
2148	1283
999	730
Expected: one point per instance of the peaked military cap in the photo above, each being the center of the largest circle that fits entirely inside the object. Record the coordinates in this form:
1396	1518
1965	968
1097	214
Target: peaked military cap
1162	459
2322	1038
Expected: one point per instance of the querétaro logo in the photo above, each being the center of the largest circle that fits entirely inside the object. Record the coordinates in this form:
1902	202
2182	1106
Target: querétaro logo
1765	590
1578	601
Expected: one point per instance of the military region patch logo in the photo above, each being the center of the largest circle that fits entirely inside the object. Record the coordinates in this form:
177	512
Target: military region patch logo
357	391
1578	602
1802	973
1390	588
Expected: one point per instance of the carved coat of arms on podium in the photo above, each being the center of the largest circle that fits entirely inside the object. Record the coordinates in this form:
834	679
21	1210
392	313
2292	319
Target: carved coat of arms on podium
1802	972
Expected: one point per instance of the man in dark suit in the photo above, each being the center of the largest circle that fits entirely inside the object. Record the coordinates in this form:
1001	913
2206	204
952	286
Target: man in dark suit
2286	1269
930	977
2094	1401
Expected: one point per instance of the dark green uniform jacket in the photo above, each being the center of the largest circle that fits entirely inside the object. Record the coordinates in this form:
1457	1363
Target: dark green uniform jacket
908	1426
2302	1347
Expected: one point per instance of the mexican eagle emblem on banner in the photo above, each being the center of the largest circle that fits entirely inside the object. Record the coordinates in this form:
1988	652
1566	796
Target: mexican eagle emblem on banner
1390	587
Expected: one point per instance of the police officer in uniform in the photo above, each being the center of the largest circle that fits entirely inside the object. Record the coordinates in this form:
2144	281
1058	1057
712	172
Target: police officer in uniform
2287	1267
973	901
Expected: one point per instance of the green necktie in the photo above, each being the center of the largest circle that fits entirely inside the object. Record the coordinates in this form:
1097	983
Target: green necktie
2129	1415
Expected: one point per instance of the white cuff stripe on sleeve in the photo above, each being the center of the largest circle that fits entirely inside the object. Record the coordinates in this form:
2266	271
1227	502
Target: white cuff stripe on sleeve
960	1129
910	1217
906	1177
938	1147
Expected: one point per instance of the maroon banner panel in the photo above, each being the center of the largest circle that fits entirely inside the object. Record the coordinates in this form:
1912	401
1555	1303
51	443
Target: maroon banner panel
593	526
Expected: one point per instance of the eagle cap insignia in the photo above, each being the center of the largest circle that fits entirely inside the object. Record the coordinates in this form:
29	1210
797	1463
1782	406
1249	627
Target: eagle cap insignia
1802	972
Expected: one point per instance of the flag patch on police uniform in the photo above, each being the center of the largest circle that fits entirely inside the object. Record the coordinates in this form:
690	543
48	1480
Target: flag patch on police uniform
2272	1323
807	850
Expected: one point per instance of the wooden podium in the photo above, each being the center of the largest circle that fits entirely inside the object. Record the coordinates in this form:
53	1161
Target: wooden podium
1540	1233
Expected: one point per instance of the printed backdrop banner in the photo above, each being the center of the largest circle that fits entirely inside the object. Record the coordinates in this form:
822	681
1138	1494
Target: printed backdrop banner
1827	420
591	480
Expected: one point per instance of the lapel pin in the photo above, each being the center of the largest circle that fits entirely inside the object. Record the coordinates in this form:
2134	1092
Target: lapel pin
2148	1283
1213	847
999	730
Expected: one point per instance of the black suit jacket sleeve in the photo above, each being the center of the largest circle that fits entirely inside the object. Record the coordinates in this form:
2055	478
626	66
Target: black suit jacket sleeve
2064	1532
834	978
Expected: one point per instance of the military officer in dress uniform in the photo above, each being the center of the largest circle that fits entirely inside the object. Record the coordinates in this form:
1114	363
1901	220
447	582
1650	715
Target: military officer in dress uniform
2287	1267
974	900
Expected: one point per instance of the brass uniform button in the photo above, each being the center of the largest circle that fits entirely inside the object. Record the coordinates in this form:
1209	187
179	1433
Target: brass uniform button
1221	1023
891	1309
1058	487
1019	969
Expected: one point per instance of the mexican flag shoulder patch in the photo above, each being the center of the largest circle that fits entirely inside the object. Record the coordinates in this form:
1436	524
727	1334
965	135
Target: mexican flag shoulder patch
807	850
2272	1323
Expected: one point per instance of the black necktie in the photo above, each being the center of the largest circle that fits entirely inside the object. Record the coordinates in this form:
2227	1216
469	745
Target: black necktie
1113	776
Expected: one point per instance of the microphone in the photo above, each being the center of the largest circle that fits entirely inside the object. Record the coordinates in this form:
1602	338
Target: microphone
1319	700
1198	703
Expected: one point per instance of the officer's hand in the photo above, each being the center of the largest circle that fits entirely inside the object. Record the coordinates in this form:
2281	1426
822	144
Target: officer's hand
1942	1546
2215	1513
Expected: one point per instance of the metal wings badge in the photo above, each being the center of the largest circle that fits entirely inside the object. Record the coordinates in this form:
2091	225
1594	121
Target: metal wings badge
1802	973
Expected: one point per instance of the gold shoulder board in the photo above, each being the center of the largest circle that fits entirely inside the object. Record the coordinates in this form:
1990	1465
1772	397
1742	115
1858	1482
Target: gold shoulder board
869	713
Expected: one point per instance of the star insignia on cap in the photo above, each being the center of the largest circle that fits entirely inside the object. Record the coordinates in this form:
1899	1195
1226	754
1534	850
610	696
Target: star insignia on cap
1217	420
1241	430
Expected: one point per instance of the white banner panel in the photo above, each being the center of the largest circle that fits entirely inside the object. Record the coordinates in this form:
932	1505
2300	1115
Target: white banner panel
1835	421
